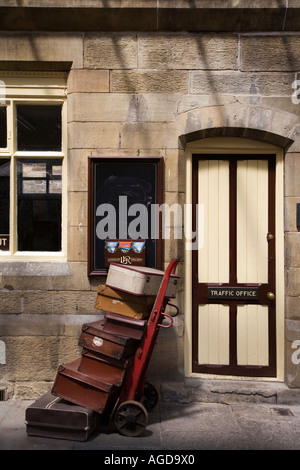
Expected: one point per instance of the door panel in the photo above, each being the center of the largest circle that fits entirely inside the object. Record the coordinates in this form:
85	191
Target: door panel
213	195
252	335
213	334
234	323
252	221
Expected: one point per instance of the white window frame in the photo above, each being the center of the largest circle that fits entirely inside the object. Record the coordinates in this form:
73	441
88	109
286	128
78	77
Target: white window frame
33	88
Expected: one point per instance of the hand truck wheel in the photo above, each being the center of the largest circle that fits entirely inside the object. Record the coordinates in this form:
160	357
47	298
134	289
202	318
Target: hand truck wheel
151	396
131	418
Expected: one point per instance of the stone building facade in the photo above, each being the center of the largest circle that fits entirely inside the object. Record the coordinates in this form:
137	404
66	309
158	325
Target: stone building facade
206	81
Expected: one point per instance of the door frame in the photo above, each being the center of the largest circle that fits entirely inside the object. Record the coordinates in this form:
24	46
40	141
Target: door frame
234	146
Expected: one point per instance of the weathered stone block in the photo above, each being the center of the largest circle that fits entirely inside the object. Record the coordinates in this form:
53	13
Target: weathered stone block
149	135
78	169
293	281
194	101
88	81
93	135
260	118
156	107
110	51
211	82
173	81
77	243
102	107
270	53
292	364
292	174
174	172
188	51
10	301
37	302
66	322
42	47
290	213
77	280
70	302
292	307
37	358
292	249
77	208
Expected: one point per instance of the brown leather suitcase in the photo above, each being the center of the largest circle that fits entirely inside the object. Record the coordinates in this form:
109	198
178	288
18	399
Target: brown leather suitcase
124	326
84	390
123	303
107	370
94	338
53	417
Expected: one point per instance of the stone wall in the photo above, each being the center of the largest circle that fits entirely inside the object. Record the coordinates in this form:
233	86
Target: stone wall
143	94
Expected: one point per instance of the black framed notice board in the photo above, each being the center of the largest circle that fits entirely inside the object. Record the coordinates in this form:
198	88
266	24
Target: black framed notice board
124	224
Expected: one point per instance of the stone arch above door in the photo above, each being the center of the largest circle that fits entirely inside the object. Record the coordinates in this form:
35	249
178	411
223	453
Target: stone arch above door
264	124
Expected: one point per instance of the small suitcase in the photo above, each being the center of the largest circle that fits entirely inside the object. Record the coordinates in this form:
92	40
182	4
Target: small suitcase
53	417
84	390
107	370
124	326
123	303
139	280
94	338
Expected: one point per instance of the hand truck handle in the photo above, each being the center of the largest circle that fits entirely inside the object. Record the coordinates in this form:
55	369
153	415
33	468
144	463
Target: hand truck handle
170	324
174	306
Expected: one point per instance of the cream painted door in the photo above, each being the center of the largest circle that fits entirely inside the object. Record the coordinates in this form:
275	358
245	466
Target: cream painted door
234	321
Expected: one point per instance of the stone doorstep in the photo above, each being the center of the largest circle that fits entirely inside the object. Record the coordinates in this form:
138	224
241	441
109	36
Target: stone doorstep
228	391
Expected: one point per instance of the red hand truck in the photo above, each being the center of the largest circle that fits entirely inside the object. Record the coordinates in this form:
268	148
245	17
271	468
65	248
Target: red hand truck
137	397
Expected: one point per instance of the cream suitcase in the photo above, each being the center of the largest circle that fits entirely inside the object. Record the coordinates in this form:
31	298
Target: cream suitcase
139	280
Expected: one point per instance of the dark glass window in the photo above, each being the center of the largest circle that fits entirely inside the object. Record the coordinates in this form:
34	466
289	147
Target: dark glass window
38	127
3	127
4	196
39	204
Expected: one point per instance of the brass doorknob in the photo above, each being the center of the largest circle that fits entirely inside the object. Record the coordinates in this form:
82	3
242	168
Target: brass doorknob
271	295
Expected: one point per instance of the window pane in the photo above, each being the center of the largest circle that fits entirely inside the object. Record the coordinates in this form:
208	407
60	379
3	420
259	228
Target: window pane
38	127
4	196
39	205
3	128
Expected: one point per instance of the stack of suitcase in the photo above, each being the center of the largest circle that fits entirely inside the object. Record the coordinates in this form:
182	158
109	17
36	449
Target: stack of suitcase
90	385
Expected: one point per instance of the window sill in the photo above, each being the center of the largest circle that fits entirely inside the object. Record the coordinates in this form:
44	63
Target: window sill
33	268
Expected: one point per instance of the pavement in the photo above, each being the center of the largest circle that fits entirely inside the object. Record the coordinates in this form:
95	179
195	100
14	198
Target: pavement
186	428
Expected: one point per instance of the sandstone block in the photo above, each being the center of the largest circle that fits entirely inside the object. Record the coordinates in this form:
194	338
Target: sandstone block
156	107
110	51
292	249
293	282
77	208
93	135
102	107
77	243
88	81
174	172
174	81
292	369
37	358
10	301
78	169
71	303
235	83
292	174
270	53
42	47
37	302
188	51
292	307
290	213
140	135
